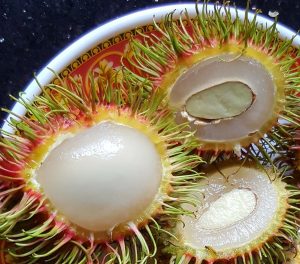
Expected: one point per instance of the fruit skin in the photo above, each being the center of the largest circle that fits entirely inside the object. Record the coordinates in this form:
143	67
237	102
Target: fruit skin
264	249
37	234
178	45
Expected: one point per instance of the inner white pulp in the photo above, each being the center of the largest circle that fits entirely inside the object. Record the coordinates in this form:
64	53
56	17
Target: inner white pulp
234	212
230	208
103	176
222	69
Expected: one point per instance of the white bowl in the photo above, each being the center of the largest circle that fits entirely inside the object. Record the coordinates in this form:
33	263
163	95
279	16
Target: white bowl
113	28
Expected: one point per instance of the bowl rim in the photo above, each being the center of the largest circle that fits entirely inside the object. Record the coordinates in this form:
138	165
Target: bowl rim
119	25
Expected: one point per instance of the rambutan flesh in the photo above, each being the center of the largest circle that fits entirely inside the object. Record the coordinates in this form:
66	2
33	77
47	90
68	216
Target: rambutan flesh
85	174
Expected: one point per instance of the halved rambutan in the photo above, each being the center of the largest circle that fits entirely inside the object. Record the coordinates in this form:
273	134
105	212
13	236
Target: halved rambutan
248	215
233	79
88	168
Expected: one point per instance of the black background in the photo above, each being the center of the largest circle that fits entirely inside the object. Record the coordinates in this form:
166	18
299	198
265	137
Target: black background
32	32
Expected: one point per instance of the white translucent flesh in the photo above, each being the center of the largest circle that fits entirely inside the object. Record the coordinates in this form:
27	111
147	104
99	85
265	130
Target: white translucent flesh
234	213
104	176
230	208
218	70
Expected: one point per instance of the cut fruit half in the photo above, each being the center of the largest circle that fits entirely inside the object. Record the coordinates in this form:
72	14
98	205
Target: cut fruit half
86	171
234	80
247	216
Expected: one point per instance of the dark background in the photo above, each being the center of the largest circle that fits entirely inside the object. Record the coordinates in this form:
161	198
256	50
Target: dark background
33	31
